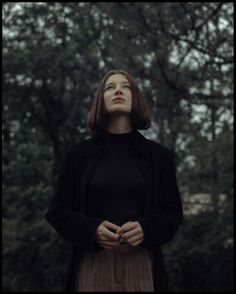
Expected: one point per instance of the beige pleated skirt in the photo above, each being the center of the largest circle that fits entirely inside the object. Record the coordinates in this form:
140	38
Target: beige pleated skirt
123	268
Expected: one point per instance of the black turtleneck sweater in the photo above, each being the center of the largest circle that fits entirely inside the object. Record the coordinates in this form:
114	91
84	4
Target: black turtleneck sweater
115	190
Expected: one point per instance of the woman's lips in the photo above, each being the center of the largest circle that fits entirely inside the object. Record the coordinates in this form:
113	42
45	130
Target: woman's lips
119	101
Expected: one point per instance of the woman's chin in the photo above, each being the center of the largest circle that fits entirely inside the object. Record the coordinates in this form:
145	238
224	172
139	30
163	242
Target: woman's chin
119	110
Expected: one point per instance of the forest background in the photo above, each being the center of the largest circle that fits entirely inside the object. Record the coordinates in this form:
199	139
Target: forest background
181	55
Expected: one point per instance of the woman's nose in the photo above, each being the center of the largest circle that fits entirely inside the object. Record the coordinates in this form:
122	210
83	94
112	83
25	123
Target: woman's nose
118	91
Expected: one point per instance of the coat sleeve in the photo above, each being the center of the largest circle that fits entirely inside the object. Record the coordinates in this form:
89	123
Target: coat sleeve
160	227
62	215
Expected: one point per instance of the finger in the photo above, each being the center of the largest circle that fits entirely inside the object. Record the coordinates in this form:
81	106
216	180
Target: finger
135	241
110	235
126	227
130	234
127	223
107	239
110	225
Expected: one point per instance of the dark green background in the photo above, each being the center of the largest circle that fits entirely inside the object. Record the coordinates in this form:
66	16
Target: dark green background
54	55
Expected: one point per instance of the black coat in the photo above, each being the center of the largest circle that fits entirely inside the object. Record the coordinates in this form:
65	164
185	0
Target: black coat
163	207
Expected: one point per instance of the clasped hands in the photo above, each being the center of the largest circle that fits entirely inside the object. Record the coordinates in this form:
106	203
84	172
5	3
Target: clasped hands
109	235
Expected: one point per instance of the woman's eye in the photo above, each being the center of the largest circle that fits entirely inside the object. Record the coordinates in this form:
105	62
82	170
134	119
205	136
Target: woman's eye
112	87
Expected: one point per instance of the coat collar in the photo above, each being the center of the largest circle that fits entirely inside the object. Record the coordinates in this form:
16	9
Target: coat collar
97	144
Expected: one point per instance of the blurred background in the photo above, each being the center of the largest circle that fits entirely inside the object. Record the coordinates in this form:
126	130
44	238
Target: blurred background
181	55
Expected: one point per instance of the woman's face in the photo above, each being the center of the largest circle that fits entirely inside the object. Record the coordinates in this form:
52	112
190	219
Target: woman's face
117	87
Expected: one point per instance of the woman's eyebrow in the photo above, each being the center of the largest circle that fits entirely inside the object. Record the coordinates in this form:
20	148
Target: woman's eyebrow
112	83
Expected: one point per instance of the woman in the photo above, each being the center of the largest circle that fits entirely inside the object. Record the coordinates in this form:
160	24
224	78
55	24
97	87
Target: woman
117	199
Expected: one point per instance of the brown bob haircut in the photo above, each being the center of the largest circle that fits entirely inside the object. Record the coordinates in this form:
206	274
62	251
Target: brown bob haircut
140	114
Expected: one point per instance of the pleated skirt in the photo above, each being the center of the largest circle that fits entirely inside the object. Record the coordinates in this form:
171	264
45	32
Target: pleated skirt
121	269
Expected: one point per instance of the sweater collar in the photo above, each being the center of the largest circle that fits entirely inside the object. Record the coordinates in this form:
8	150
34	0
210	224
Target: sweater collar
139	144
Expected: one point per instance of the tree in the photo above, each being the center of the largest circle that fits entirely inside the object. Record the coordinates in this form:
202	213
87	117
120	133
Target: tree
53	58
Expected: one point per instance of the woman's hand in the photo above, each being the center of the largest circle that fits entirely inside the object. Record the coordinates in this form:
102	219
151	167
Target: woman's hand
132	233
105	237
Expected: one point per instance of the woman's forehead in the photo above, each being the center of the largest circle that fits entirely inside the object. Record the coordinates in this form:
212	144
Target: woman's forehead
117	78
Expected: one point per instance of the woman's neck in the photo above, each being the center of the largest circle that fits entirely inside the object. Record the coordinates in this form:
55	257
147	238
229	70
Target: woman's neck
119	124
